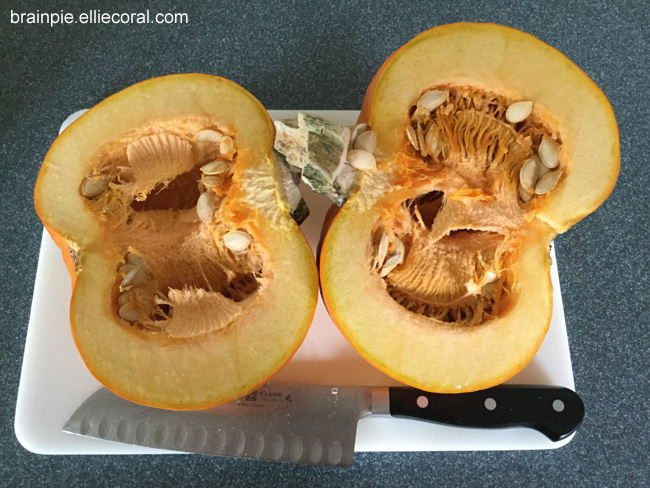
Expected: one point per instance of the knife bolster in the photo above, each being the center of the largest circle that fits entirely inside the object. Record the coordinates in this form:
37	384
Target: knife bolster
380	401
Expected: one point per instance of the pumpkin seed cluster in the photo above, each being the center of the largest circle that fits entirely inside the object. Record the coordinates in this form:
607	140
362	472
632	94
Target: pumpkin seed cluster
160	190
444	253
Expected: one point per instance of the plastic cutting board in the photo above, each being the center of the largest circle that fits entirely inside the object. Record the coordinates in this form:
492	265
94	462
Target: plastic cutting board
54	380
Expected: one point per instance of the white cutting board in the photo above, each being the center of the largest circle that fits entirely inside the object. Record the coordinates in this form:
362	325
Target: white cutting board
55	381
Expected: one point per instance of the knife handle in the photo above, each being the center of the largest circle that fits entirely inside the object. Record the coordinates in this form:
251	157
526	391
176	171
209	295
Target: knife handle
556	412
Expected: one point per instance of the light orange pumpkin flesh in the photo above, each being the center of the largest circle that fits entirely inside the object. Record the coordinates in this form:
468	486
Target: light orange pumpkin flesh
204	322
469	301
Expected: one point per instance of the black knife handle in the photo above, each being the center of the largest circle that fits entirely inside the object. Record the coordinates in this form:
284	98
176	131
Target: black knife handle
554	411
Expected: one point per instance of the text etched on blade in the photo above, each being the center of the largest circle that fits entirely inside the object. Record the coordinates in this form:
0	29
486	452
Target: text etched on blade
262	398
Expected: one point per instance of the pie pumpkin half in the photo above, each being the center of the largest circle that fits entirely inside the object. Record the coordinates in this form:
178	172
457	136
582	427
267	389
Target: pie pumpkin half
192	284
488	144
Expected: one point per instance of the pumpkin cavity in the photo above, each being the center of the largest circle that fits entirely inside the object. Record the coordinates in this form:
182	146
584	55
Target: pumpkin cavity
446	252
456	276
479	135
186	269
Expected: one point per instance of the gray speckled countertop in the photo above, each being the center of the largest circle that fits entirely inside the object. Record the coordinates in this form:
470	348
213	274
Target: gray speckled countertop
315	55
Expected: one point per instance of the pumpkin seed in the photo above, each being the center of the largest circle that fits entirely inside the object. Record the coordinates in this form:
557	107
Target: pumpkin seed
490	277
399	249
205	207
524	194
215	167
356	131
141	300
382	249
212	180
94	186
420	115
237	240
547	182
542	169
421	144
431	141
529	174
134	277
432	99
137	261
129	312
209	135
390	264
548	152
366	141
412	136
362	160
125	297
518	111
226	145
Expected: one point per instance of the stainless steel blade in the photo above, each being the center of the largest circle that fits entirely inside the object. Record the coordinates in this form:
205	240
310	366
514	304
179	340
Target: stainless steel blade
280	422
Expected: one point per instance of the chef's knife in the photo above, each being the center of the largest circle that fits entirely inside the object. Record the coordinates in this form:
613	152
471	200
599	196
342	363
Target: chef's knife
317	424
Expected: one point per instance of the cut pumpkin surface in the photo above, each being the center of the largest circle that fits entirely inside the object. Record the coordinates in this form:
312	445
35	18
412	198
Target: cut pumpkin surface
488	143
192	284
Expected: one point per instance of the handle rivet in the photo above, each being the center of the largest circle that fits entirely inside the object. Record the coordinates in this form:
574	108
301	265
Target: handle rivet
490	403
422	401
558	405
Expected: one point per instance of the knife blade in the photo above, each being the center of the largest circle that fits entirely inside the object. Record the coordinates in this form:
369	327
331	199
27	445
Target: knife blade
316	424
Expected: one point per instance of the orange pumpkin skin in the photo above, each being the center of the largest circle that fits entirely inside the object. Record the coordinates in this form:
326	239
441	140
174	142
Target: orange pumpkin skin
140	359
59	240
446	356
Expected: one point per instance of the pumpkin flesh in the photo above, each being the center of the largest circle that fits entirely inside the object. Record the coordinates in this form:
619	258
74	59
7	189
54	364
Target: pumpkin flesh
437	267
166	309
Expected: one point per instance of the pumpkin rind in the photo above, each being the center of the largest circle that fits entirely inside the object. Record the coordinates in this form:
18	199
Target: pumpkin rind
152	368
448	355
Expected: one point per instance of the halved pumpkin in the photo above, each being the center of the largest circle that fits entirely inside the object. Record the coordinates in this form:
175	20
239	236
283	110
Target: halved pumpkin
192	283
488	144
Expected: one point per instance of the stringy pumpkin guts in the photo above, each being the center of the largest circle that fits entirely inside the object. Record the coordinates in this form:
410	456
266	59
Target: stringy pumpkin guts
160	190
499	157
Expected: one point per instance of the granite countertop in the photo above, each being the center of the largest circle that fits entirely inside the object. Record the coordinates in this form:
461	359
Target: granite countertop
317	55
